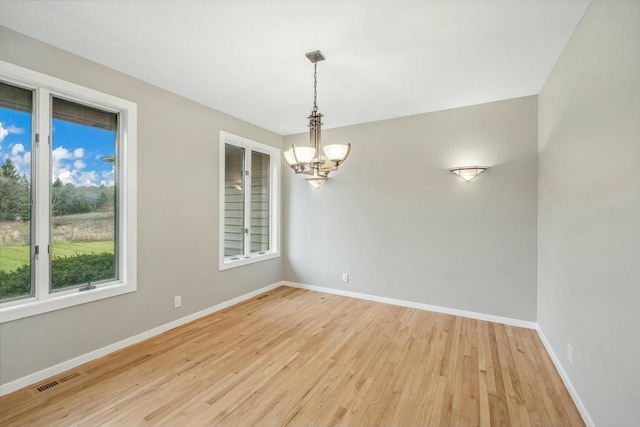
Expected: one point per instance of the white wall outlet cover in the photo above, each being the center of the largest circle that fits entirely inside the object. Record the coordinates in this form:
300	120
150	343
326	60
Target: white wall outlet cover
345	277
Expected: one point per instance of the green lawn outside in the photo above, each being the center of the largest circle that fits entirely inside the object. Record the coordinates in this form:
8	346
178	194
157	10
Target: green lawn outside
12	257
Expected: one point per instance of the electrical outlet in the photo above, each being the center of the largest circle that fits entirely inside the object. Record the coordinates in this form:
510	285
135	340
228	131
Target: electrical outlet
569	353
345	277
177	301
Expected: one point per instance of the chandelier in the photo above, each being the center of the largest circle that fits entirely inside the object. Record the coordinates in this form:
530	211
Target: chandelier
316	161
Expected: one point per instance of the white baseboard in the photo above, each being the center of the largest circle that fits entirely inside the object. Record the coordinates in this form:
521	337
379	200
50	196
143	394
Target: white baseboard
77	361
565	379
419	306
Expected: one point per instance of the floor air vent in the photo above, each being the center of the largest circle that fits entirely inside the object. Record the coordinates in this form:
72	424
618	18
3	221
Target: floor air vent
56	382
47	386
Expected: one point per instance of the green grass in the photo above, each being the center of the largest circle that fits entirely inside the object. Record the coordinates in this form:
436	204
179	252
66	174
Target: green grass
12	257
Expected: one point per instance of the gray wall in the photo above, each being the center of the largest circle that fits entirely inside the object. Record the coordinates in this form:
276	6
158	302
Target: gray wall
177	220
404	227
589	211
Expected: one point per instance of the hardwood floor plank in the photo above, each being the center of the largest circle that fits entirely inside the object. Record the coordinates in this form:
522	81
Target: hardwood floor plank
293	357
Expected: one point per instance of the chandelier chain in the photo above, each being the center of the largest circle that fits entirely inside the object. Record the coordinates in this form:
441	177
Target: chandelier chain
315	87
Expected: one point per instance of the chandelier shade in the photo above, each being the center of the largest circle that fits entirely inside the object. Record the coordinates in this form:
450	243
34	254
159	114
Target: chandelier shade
316	160
337	153
303	155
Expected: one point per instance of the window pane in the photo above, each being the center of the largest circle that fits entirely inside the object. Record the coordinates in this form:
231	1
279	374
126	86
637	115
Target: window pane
259	202
16	106
83	195
233	201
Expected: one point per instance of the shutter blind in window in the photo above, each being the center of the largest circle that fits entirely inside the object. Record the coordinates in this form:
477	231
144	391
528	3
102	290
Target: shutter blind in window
15	98
83	115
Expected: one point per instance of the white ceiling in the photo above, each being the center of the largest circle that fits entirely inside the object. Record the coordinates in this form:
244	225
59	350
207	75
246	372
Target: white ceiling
247	58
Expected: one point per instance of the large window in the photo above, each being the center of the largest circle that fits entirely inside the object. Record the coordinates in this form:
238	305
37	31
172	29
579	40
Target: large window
249	190
67	194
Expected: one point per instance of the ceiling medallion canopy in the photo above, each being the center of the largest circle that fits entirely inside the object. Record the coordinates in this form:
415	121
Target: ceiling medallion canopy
316	161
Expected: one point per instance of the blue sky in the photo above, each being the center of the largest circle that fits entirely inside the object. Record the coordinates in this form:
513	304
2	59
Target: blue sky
76	149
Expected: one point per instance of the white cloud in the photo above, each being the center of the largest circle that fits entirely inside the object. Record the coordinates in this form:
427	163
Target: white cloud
15	129
60	153
61	163
17	149
107	178
64	175
20	158
68	167
4	131
66	164
58	157
87	179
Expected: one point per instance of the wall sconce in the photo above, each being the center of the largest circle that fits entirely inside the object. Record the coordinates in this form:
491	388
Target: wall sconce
468	172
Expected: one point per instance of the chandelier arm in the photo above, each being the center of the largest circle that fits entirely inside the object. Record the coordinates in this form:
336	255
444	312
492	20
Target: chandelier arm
298	164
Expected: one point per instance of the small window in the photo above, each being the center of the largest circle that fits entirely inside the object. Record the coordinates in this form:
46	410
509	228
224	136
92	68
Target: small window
249	201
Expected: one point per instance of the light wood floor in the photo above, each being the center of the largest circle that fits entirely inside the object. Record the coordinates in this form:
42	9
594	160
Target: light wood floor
295	357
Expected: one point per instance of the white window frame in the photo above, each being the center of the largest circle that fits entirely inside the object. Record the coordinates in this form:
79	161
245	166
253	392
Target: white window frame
274	201
46	86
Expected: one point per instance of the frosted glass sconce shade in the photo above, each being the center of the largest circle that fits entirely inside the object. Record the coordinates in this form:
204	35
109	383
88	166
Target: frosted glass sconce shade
468	172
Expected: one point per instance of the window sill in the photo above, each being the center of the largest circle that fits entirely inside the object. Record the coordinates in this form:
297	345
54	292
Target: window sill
226	264
30	306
